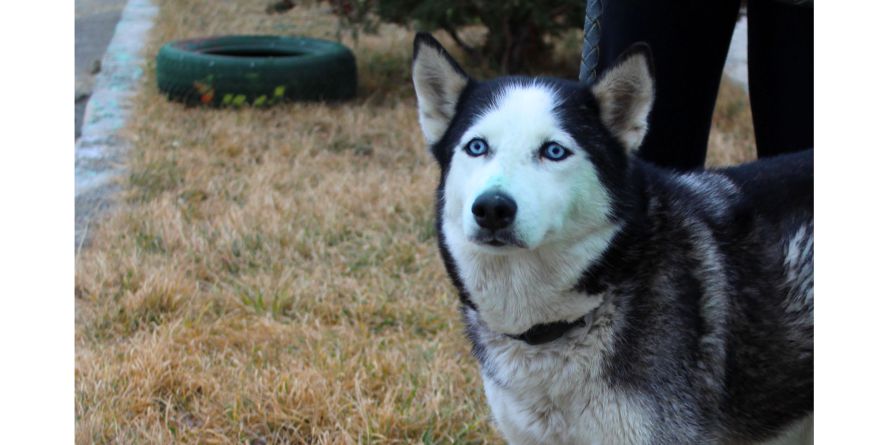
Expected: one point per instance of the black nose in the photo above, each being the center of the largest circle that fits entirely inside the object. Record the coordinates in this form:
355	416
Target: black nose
494	210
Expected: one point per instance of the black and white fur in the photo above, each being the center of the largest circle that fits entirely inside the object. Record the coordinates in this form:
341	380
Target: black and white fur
695	289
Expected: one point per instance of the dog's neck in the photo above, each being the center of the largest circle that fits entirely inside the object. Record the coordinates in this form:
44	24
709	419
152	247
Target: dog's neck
519	290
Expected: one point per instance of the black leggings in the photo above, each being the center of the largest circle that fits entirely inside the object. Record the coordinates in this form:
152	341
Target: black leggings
689	41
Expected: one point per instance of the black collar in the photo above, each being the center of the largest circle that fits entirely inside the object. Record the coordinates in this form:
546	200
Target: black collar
547	332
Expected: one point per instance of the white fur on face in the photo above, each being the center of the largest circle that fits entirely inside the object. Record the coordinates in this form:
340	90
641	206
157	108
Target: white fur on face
556	200
562	214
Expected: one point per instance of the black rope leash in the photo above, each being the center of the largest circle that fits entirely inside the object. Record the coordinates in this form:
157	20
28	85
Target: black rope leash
590	51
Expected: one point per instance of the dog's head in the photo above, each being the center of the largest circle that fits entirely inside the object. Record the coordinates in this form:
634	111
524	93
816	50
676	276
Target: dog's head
528	162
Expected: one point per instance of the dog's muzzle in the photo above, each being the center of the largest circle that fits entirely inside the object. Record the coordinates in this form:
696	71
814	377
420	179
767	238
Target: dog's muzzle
495	212
498	238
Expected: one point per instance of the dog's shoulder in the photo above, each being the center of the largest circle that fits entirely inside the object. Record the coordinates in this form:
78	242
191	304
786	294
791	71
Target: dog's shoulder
777	189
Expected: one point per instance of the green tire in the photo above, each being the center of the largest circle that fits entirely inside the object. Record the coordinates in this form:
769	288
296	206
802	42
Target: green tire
255	70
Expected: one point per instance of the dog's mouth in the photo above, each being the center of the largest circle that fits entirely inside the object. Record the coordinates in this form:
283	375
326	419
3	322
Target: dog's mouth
498	238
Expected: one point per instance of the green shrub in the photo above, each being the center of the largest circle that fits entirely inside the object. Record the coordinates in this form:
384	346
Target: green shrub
517	28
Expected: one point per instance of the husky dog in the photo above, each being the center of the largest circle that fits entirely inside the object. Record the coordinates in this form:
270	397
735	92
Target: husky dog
610	301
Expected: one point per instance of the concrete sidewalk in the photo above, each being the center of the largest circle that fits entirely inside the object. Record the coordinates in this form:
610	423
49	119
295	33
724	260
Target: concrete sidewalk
94	24
99	149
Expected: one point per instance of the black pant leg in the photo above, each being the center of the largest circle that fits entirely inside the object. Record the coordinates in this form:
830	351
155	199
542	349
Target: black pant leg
689	41
780	75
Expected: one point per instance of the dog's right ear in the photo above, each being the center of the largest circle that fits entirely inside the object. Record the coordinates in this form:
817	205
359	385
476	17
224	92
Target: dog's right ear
439	82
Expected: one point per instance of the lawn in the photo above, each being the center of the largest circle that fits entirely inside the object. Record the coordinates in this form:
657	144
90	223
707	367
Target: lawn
271	275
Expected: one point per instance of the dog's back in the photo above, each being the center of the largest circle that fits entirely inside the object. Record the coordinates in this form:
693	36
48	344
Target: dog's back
720	310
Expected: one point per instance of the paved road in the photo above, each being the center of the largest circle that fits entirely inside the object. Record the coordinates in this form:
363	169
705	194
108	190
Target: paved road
94	24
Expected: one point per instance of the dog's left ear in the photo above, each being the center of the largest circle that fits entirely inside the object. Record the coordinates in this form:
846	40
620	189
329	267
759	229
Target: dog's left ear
439	82
625	93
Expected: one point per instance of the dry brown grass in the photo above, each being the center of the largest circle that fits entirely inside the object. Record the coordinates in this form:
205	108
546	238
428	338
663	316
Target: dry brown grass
271	276
732	133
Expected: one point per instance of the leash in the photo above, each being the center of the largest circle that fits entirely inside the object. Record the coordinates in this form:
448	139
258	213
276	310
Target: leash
590	51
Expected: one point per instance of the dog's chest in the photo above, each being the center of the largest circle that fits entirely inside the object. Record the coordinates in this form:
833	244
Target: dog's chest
556	393
565	414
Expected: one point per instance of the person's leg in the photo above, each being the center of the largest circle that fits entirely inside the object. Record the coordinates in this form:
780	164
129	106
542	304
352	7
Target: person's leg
689	41
780	76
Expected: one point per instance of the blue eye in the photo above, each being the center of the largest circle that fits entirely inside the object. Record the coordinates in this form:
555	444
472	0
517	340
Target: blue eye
555	151
476	147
